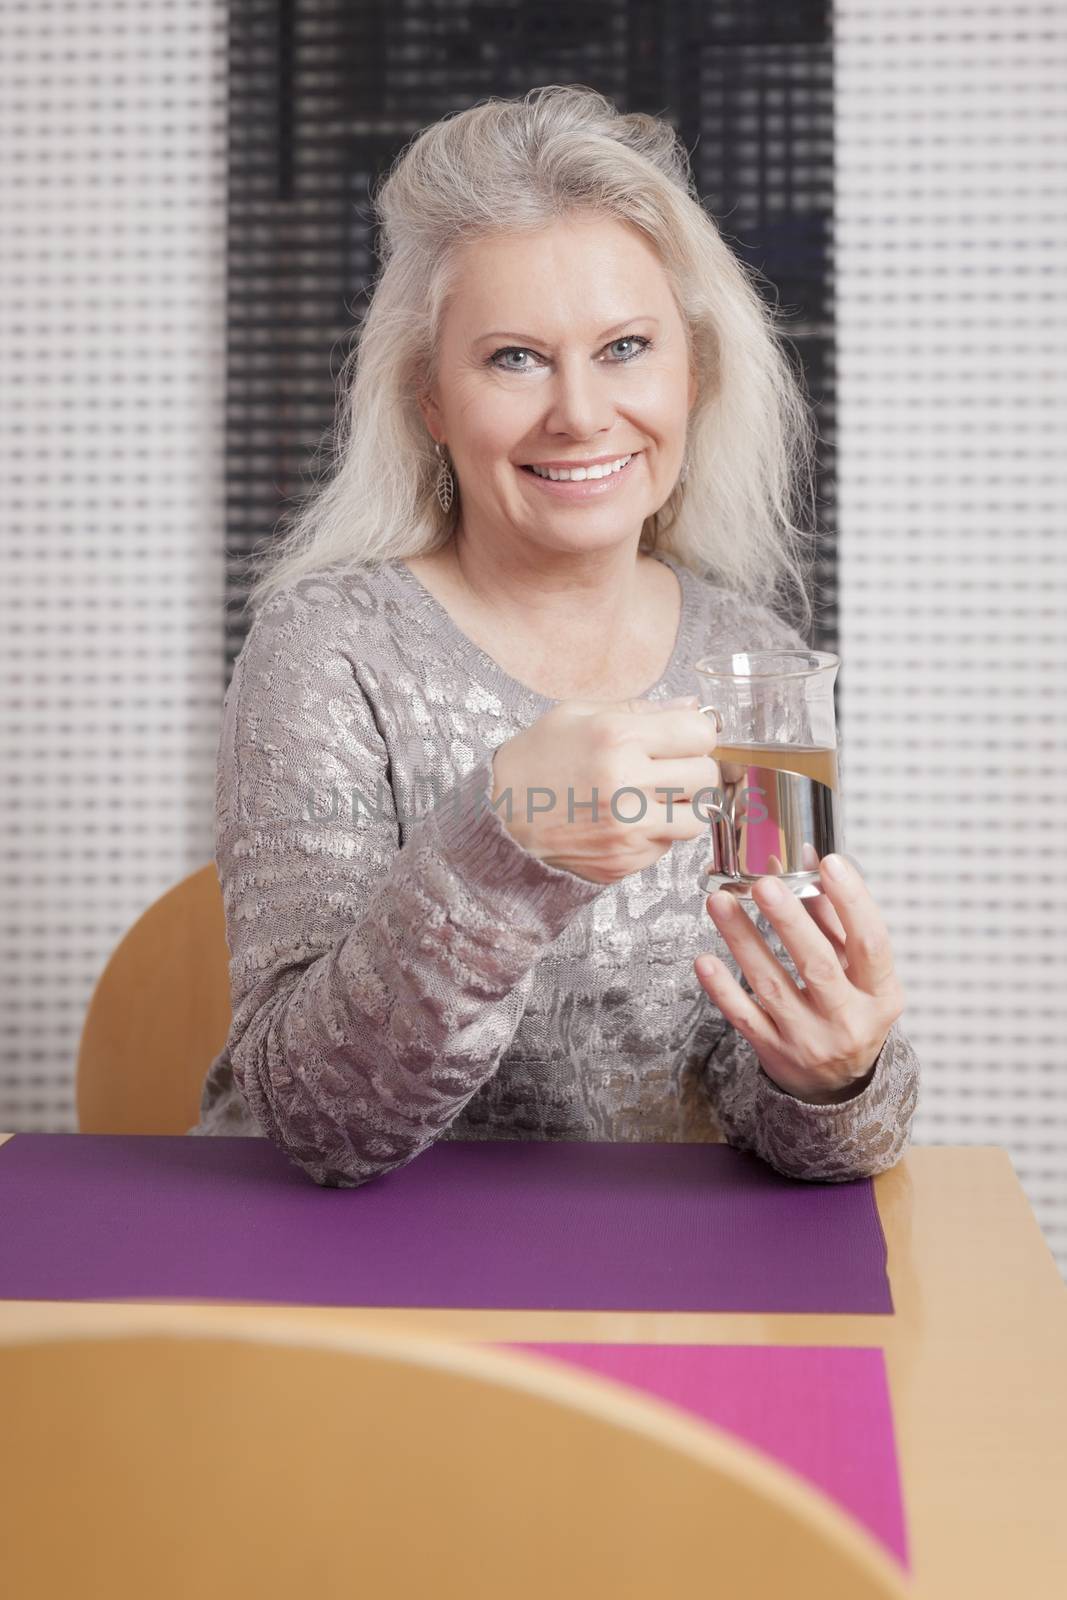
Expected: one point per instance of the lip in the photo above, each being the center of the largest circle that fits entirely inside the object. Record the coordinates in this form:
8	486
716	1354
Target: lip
584	488
594	461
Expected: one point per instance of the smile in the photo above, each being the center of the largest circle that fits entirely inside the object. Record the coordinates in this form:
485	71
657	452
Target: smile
583	488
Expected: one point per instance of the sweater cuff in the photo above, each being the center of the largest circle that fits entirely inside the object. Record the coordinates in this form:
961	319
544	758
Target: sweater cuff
495	866
895	1056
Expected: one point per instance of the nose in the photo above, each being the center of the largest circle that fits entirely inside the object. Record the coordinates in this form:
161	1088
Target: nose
580	403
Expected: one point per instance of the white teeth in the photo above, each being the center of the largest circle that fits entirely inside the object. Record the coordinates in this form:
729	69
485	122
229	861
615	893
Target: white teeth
563	475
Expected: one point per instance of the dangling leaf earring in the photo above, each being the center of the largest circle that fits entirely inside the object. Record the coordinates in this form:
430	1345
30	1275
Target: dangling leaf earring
685	469
446	483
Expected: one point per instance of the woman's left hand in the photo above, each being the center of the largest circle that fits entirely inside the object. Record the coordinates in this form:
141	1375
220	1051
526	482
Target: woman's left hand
818	1041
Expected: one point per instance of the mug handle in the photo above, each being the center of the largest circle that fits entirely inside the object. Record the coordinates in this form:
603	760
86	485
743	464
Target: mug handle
715	714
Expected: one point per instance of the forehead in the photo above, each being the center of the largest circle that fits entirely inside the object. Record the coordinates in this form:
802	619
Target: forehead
577	271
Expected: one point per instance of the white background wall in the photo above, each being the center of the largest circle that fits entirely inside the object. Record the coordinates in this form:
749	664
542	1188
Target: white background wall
951	250
112	339
950	272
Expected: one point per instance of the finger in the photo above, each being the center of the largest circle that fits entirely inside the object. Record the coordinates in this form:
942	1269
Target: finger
667	733
772	985
814	955
674	732
688	773
819	908
739	1009
870	954
822	913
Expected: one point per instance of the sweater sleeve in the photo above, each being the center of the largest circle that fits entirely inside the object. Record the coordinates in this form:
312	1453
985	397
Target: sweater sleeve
853	1138
375	984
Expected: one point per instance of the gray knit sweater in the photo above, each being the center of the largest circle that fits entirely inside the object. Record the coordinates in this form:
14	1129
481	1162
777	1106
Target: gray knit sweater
403	970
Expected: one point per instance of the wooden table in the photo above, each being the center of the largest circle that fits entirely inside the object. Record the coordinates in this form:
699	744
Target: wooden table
976	1354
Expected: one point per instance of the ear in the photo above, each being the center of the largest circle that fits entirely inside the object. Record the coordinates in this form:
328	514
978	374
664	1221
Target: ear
431	415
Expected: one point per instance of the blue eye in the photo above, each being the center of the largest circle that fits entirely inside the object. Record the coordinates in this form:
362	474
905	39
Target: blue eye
512	350
637	339
633	338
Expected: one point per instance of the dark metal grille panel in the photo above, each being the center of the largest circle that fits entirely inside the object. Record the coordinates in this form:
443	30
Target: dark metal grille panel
323	95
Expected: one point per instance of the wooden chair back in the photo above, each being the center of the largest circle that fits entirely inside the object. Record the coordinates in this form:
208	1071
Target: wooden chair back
215	1453
159	1015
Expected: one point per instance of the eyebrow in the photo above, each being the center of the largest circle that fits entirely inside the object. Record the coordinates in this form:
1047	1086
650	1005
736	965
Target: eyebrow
529	338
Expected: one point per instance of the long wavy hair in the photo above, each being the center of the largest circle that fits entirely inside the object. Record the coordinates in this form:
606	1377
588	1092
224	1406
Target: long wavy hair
745	516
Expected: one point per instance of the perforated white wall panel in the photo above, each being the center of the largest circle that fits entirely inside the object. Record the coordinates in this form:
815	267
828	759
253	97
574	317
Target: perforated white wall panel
950	258
112	337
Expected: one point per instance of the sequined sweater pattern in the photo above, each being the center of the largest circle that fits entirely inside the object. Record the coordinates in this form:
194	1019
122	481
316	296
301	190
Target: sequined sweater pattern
403	970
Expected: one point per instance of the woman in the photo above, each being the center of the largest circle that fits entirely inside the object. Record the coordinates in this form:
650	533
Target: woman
432	933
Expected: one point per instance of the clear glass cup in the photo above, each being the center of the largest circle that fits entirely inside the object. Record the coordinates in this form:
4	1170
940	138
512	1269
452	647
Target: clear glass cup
778	809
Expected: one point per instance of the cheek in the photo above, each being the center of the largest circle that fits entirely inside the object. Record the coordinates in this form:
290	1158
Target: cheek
475	403
493	421
658	399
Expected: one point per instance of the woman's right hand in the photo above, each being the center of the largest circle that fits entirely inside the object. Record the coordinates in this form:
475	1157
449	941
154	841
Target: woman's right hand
577	747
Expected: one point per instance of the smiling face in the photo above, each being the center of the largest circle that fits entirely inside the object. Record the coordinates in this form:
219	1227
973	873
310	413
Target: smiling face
562	346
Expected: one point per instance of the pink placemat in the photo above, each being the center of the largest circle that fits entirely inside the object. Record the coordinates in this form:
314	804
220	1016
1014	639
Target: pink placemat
822	1411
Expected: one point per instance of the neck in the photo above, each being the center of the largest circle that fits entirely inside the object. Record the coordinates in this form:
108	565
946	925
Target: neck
600	589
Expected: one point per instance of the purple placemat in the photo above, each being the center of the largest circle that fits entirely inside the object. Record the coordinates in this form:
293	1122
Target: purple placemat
822	1411
539	1225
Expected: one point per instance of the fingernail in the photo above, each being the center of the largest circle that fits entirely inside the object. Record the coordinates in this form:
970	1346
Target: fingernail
834	867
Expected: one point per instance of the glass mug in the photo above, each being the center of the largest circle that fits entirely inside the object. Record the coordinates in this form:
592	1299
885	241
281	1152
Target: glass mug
778	807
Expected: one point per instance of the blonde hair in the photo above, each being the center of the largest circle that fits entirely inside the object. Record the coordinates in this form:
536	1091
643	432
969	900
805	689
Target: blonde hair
521	165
